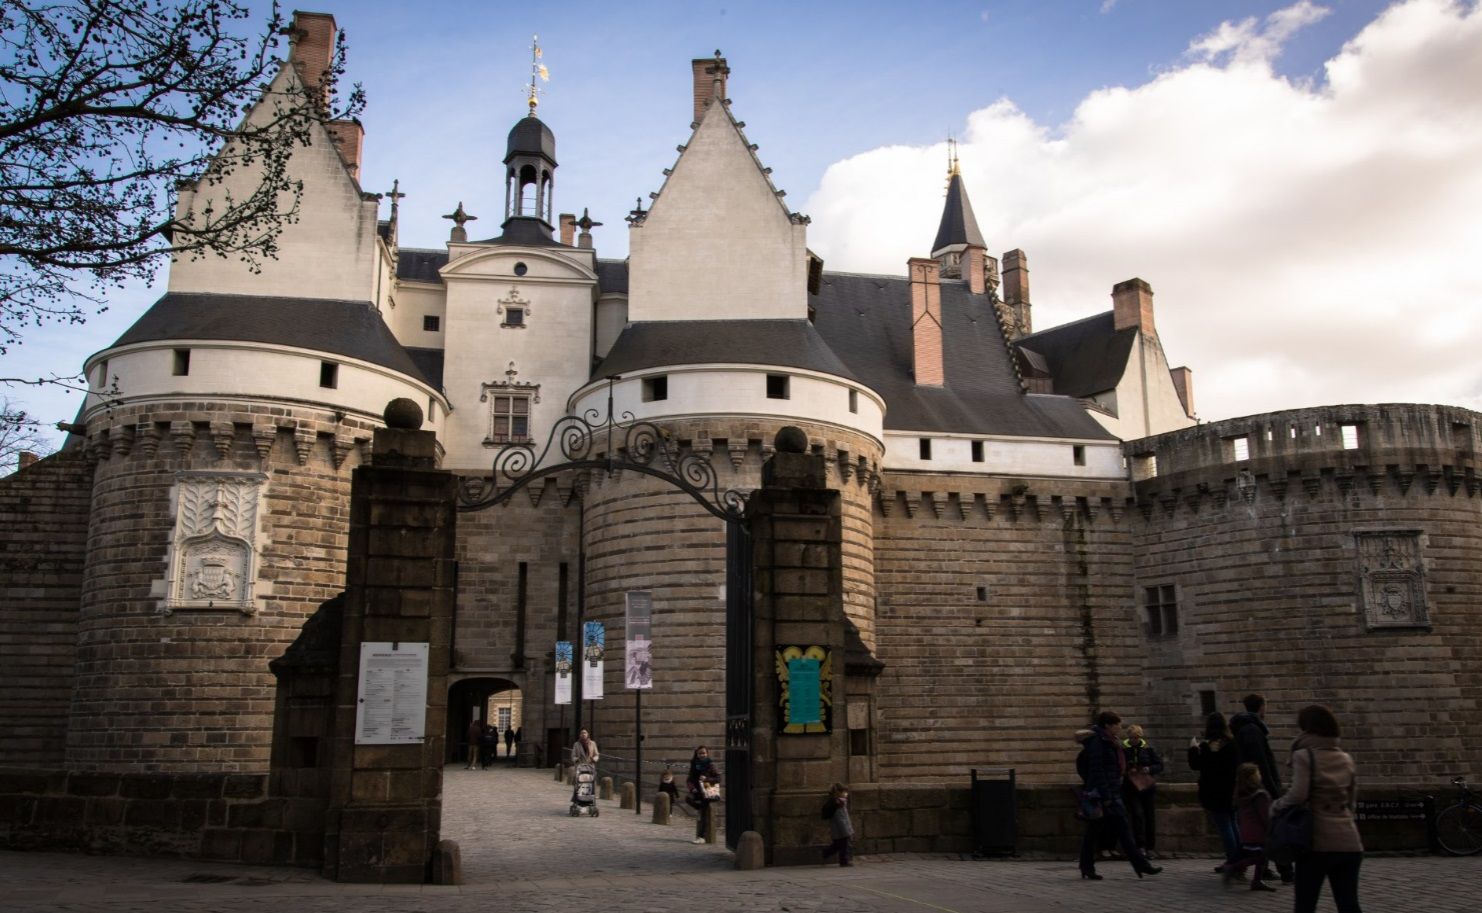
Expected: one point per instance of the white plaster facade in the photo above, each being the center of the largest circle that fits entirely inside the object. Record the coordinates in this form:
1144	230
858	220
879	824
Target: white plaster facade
1145	402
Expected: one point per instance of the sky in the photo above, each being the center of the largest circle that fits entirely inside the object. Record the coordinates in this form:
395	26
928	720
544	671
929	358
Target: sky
1300	182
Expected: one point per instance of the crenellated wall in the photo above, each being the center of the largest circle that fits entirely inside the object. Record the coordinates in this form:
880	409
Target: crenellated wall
1002	621
1332	567
167	679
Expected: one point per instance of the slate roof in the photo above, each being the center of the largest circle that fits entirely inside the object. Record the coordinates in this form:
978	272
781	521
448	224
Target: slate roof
1085	357
430	363
612	276
958	225
673	343
530	136
353	329
420	265
526	231
867	321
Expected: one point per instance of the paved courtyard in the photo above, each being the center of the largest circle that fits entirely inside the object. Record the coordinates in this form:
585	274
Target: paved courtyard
521	852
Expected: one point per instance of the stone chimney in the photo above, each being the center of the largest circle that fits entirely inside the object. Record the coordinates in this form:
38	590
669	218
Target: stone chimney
1132	306
1016	291
1183	382
26	458
926	320
568	227
349	138
710	81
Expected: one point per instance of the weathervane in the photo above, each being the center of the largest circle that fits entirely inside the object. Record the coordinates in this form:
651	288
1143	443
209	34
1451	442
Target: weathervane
537	71
952	167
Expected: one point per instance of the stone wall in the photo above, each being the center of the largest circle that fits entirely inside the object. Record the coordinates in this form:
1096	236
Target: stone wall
43	541
221	816
1339	562
1005	621
188	688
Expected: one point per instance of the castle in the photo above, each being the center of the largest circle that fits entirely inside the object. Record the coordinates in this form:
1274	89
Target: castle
1034	524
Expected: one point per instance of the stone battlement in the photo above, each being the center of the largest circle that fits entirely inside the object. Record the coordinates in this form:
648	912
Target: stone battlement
1370	440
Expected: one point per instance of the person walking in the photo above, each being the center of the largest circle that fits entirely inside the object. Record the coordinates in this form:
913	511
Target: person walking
1102	766
1215	758
509	742
1253	743
471	737
519	734
1325	779
583	752
1252	821
488	745
841	830
703	784
1140	789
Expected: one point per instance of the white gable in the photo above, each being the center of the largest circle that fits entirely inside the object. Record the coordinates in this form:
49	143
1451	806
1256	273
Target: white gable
718	244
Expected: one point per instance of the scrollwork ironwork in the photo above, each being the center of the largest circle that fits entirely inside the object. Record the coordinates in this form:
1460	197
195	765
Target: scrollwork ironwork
610	444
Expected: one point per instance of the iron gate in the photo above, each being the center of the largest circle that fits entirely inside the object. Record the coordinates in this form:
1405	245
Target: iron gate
589	442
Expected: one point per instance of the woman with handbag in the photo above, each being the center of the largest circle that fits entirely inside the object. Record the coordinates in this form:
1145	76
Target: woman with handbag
1215	758
1325	781
704	790
1140	789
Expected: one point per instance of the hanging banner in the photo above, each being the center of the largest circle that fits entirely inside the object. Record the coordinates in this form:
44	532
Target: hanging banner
563	671
639	670
391	701
593	646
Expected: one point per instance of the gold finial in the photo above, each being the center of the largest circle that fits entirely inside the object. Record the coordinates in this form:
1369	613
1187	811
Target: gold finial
952	169
537	72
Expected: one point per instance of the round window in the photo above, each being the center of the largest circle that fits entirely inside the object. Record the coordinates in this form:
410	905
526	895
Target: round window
521	269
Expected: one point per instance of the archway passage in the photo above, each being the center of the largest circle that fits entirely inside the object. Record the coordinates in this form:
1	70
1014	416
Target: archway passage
496	702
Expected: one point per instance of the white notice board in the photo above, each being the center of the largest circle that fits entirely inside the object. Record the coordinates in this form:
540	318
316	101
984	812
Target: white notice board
391	703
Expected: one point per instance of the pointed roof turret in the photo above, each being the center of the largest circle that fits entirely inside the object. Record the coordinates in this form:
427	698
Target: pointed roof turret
958	226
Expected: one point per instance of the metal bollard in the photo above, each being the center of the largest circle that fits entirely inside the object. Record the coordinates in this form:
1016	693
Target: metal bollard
630	792
605	788
661	808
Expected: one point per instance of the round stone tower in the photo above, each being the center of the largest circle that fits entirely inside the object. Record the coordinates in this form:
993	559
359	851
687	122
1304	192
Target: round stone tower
220	517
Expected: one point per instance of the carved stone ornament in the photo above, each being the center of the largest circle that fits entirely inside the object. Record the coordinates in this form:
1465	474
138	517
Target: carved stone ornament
1392	579
214	547
513	300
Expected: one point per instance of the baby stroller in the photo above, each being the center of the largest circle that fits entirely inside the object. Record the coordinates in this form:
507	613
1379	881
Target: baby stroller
584	798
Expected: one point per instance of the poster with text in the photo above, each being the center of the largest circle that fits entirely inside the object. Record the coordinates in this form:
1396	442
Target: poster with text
391	700
593	646
639	669
563	671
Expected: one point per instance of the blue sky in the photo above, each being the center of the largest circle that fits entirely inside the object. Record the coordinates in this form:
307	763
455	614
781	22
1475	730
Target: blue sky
1067	112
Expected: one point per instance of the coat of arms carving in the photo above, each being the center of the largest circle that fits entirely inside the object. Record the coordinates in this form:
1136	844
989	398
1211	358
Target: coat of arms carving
213	554
1392	579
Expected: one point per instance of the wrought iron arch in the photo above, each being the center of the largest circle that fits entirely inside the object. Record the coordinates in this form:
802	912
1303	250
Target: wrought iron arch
575	442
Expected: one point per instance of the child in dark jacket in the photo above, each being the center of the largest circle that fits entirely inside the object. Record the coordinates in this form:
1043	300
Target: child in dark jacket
841	830
1253	819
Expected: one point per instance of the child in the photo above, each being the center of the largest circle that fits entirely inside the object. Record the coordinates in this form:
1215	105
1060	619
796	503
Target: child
836	810
668	787
1252	818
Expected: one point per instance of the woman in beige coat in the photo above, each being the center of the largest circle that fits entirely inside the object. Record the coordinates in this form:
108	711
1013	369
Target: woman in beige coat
1326	783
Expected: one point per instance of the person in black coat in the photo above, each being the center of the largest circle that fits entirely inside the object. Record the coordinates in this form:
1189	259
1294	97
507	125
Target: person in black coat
1215	758
1143	768
1253	743
1103	766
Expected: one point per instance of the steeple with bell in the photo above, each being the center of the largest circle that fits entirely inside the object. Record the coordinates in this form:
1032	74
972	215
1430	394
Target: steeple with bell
529	170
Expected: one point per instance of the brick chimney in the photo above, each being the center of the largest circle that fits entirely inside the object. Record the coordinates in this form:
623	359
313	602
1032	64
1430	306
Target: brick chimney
1132	306
311	45
977	269
1183	382
349	140
26	458
567	221
1016	291
926	320
710	81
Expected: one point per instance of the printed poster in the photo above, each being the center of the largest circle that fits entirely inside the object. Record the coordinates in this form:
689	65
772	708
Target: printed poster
639	670
391	701
563	671
593	646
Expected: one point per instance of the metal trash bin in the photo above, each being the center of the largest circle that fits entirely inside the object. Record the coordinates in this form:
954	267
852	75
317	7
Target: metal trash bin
994	807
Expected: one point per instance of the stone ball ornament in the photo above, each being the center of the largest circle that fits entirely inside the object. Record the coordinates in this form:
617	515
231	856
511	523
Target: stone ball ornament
791	439
403	414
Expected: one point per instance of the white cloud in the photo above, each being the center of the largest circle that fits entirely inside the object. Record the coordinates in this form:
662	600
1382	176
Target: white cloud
1307	243
1107	6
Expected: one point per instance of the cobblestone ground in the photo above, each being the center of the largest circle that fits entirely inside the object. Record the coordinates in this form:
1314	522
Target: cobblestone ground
521	852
